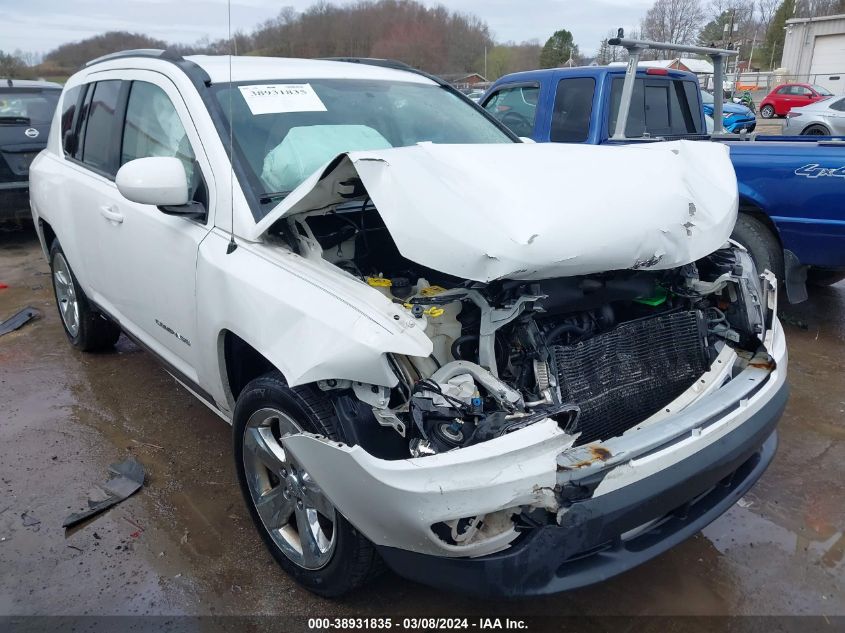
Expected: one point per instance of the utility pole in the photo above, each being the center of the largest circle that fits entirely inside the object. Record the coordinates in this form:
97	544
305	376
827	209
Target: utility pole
753	44
485	62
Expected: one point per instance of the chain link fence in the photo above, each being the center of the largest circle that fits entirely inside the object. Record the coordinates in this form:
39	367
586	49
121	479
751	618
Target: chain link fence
761	84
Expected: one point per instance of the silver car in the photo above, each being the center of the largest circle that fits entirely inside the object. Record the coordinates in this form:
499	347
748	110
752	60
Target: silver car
822	118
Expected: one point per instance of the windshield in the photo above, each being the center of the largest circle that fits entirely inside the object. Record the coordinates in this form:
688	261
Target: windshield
284	131
822	91
28	106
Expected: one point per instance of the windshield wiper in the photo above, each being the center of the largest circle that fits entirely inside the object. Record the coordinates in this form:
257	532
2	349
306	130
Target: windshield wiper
265	198
14	119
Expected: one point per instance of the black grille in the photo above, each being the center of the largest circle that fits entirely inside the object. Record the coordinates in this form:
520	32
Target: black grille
621	377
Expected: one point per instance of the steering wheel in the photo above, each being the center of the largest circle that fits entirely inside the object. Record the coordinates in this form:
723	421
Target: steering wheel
518	123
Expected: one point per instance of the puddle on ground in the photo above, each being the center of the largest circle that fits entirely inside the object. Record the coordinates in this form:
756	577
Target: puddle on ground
185	543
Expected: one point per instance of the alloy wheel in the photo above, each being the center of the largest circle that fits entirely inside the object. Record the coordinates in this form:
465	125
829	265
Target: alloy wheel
66	294
294	511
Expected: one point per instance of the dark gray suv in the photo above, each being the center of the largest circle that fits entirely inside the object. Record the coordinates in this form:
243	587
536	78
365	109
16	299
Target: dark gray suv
26	110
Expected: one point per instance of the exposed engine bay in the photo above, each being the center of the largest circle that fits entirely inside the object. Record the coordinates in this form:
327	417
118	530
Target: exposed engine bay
598	353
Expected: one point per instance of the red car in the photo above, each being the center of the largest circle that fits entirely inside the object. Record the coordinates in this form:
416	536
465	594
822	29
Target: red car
780	100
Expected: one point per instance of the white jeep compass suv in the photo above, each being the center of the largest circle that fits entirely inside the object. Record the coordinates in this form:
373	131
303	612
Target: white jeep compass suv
498	367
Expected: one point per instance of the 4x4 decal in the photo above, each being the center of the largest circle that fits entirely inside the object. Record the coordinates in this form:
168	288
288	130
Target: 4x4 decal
813	170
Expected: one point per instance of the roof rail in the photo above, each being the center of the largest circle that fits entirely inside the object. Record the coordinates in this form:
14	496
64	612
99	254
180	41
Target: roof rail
373	61
155	53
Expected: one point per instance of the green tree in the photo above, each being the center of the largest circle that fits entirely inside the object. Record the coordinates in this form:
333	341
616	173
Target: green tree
498	62
773	46
713	32
558	50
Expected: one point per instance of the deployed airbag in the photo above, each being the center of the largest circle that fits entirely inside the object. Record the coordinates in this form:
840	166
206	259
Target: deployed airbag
307	148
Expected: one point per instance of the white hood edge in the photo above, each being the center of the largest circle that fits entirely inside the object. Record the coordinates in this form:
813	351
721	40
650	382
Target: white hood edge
535	211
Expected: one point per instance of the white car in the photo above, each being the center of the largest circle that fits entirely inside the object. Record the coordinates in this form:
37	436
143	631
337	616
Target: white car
501	368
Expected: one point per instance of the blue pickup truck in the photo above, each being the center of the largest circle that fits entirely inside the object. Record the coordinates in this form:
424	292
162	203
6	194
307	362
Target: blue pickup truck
792	189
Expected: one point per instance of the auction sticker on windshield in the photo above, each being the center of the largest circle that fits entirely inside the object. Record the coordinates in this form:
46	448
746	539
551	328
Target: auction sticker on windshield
280	98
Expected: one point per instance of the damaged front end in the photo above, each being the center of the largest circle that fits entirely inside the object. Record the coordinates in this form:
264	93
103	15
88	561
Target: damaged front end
546	392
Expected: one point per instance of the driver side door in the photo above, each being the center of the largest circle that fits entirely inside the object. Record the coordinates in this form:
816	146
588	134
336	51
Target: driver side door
149	257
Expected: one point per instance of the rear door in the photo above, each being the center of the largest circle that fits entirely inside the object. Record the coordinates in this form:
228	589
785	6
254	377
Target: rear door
148	256
572	110
86	178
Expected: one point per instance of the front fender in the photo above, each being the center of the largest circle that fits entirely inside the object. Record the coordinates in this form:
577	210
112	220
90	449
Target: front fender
310	320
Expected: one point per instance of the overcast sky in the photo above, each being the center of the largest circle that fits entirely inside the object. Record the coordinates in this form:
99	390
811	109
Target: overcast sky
41	25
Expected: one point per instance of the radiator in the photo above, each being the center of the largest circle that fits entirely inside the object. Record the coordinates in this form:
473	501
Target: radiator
621	377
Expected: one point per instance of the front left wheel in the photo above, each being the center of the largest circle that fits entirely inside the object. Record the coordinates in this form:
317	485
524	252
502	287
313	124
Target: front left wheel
304	532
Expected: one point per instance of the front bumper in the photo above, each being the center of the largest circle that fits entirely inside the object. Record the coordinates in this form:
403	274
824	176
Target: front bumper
738	125
643	493
600	537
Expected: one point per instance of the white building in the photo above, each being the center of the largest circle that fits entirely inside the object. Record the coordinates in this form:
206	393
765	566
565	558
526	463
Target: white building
814	49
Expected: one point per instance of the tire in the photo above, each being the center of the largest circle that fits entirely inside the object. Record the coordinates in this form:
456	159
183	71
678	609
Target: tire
824	276
762	244
767	111
86	329
265	472
815	130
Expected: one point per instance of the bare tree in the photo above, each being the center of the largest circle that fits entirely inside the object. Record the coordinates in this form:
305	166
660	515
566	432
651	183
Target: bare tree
676	21
608	53
817	8
766	11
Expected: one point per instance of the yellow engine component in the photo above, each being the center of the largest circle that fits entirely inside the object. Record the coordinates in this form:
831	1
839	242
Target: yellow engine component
379	282
430	291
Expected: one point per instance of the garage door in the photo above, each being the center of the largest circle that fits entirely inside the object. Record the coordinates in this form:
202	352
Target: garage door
829	62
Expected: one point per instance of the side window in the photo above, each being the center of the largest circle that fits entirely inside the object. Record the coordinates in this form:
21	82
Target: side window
516	107
70	104
804	92
98	146
784	90
838	105
572	110
153	128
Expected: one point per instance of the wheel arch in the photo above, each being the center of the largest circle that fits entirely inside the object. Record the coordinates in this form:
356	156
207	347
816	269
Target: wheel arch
46	235
752	208
821	125
240	363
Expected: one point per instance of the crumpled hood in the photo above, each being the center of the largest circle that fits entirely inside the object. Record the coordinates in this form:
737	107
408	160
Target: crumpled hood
535	211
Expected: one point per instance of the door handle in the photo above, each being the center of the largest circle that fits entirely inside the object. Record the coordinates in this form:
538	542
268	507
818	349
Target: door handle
110	213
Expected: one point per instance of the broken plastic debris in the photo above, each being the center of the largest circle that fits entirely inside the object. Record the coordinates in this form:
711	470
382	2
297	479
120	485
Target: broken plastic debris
128	479
29	520
18	320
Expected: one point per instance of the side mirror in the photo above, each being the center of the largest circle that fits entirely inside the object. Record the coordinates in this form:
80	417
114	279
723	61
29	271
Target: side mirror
158	180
